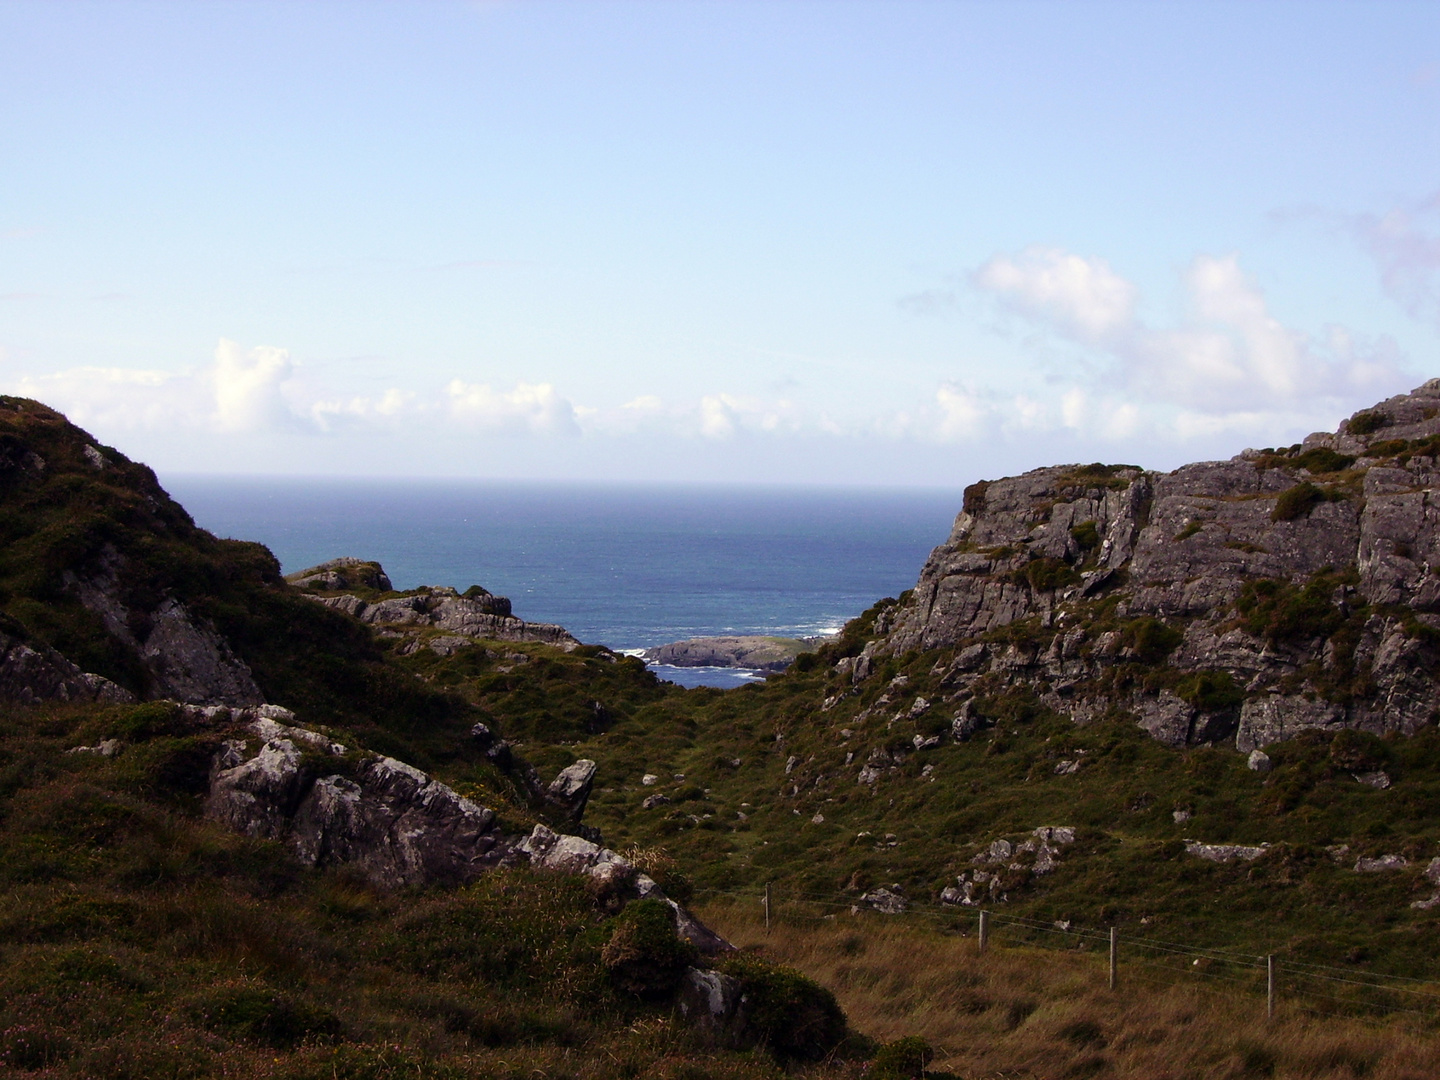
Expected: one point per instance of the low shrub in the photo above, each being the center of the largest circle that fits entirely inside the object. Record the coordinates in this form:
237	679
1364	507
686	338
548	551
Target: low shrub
1086	536
645	957
1210	691
1367	422
793	1016
262	1015
1150	639
902	1059
1297	502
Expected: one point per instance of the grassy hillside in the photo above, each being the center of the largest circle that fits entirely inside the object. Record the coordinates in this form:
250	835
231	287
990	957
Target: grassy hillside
756	788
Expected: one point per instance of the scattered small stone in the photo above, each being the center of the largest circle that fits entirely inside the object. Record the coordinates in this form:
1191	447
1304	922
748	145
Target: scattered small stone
927	771
1067	768
1259	761
1062	924
790	764
106	748
1379	780
818	819
1181	816
922	743
649	779
679	776
1224	852
885	901
1382	862
652	801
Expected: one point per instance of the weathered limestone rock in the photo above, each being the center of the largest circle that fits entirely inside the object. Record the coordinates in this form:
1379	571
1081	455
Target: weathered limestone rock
187	659
714	1005
1223	852
571	788
398	826
757	652
574	855
1277	717
1380	864
346	572
474	616
886	901
395	824
29	675
1196	551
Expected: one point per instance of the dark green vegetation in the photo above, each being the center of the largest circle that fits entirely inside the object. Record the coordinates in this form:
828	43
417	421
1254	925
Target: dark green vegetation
141	941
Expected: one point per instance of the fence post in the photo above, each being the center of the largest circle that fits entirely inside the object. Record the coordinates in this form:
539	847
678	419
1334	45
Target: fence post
1114	955
767	907
1270	987
984	929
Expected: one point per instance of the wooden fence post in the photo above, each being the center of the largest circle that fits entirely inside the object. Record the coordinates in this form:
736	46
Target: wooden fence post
984	930
1270	987
1114	955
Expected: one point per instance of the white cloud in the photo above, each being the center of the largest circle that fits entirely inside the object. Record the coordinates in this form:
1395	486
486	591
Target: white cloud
530	408
1406	254
717	416
247	388
963	415
1082	296
1230	350
119	399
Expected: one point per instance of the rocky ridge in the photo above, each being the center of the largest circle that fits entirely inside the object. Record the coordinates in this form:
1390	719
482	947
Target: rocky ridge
1239	601
390	822
461	618
757	652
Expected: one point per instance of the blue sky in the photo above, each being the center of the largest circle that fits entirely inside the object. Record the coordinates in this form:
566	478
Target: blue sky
899	242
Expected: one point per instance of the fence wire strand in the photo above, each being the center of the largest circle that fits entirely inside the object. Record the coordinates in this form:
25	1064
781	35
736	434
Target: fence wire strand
1154	956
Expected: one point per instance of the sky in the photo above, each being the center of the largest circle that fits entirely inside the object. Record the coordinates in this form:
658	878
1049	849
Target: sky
897	243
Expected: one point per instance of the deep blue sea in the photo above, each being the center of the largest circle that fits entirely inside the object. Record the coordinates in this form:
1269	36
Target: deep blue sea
623	566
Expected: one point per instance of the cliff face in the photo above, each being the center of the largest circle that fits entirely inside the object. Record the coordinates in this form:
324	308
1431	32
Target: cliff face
1242	600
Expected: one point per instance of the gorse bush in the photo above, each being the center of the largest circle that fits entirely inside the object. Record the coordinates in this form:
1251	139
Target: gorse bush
794	1016
1367	422
904	1059
644	956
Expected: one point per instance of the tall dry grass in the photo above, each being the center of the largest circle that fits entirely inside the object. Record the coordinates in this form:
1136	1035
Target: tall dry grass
1036	1013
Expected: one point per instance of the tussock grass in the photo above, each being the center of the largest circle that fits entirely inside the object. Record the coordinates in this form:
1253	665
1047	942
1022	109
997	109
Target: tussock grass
1028	1012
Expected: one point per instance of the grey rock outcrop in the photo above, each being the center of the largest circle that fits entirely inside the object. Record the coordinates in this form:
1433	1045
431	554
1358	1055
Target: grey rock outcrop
29	675
471	617
571	788
346	572
187	659
714	1004
756	652
1278	592
399	827
550	850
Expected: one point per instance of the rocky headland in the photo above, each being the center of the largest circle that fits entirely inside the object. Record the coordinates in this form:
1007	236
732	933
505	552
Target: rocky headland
757	652
1241	601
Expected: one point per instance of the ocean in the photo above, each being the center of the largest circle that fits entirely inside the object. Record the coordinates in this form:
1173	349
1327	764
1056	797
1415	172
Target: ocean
627	566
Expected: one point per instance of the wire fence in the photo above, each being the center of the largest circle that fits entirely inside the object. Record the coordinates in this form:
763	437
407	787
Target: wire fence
1281	981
